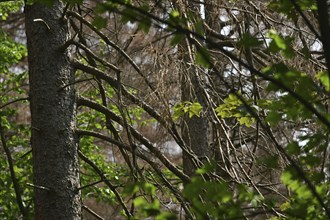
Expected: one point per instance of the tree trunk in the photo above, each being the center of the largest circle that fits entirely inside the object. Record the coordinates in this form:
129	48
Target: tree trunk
221	156
53	110
195	129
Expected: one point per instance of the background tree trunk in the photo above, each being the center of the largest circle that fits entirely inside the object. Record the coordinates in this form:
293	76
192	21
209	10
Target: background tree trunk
195	129
53	110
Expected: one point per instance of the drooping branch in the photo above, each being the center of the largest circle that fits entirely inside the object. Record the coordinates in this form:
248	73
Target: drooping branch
106	181
170	126
142	156
112	44
92	212
193	36
108	139
88	103
93	55
14	101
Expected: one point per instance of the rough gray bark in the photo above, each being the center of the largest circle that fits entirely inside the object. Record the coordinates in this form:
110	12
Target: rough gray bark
212	15
194	130
53	110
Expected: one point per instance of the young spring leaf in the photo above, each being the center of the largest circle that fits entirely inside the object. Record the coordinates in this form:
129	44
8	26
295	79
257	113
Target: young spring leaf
203	57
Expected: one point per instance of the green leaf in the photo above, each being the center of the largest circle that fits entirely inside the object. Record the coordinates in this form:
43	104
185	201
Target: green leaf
195	109
233	107
150	208
311	160
208	167
10	52
277	39
9	7
269	161
293	148
324	79
286	177
247	121
176	19
74	1
203	57
199	26
284	7
279	43
174	14
145	25
99	22
166	216
148	188
178	37
129	15
307	5
273	117
264	103
140	201
248	41
178	111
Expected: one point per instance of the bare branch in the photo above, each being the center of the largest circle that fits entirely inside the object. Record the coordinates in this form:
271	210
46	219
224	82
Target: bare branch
12	173
106	181
14	101
85	102
92	212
